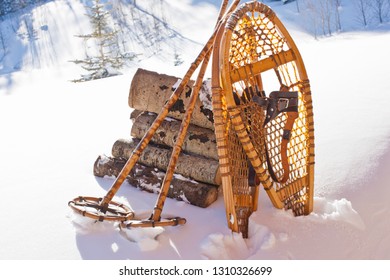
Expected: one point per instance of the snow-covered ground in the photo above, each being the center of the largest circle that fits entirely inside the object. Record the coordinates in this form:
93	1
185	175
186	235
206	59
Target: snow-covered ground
52	132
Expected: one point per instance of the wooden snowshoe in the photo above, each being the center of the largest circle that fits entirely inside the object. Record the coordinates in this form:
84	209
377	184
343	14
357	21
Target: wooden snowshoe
262	115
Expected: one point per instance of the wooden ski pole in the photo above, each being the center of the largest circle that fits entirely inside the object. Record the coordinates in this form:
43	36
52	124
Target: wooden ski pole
184	126
179	142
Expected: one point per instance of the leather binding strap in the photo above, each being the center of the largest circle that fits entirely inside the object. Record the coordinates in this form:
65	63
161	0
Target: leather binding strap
280	102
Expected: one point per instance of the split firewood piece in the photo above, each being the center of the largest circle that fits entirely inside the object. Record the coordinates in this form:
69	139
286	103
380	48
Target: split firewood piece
150	179
192	166
200	141
150	90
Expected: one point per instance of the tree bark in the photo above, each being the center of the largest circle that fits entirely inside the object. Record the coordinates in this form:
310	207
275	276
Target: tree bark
196	167
149	91
200	141
150	179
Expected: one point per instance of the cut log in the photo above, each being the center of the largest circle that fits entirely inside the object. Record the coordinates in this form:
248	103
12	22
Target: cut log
149	91
134	114
196	167
200	141
150	179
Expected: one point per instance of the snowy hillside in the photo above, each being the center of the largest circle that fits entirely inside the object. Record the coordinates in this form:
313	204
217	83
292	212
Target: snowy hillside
38	37
52	132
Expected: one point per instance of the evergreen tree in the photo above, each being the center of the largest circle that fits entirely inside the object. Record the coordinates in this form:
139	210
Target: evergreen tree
107	59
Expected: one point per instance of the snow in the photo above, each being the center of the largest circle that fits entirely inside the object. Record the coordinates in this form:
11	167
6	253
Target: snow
176	85
53	130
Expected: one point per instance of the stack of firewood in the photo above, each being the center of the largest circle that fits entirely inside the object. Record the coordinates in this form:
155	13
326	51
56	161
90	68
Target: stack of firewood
197	177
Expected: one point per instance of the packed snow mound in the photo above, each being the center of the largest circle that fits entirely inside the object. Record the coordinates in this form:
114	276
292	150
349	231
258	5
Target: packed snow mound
146	238
337	210
262	238
232	246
